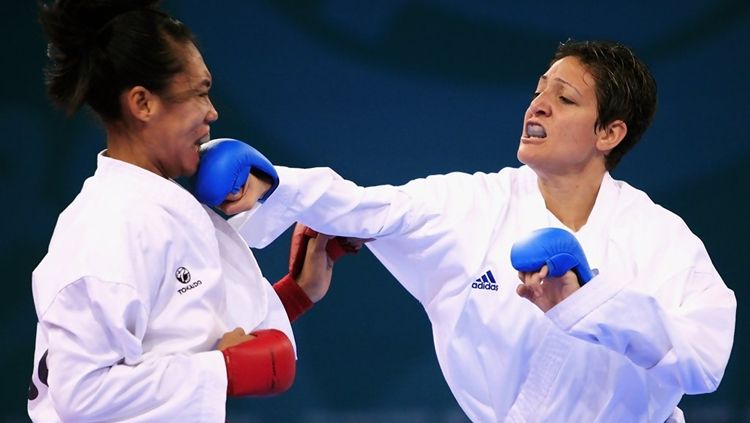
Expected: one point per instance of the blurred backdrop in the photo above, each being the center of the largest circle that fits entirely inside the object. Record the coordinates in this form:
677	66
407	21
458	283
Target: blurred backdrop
384	92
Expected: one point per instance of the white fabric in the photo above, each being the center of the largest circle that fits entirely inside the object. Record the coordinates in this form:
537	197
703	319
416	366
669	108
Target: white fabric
125	339
656	323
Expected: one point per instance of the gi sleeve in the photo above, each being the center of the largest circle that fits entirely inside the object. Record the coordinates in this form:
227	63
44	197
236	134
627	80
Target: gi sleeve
97	369
681	328
324	201
421	229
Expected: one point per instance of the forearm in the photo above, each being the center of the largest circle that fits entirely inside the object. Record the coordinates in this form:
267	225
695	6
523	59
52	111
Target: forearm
320	199
686	343
182	387
98	368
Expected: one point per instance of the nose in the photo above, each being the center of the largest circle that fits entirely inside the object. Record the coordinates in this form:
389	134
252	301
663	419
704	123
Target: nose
539	106
212	114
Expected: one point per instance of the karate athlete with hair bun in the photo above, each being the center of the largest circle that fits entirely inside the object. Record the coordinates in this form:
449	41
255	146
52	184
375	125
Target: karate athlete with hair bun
151	307
632	315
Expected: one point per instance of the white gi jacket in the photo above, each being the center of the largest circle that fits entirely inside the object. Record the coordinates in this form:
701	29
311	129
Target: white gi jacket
656	323
139	284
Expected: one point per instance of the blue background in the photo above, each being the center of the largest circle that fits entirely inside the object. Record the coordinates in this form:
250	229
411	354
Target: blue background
384	92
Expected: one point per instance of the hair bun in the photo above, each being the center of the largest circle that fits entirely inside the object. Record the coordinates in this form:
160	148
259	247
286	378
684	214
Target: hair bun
73	25
75	29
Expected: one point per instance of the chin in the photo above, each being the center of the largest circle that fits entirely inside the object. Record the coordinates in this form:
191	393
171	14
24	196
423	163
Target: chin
191	165
190	171
524	156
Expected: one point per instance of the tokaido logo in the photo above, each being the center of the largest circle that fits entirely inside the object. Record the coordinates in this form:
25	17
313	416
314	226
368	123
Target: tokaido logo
183	276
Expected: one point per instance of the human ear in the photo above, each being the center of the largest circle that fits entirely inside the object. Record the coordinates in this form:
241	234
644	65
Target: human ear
611	135
139	102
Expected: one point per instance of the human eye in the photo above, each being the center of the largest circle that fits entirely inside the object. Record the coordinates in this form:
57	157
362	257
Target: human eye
566	100
202	96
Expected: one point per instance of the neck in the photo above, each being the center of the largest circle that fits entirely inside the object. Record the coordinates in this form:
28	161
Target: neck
129	147
571	197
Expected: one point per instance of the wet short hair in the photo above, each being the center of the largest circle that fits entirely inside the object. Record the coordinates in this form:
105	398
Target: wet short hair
625	89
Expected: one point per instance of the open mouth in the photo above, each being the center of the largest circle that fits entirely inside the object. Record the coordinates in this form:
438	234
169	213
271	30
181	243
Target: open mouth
535	130
202	140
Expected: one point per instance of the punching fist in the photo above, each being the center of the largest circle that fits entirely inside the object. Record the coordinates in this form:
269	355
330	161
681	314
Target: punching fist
263	364
554	247
224	168
311	258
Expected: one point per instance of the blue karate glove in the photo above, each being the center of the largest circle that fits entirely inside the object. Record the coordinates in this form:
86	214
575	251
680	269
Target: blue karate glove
224	168
557	248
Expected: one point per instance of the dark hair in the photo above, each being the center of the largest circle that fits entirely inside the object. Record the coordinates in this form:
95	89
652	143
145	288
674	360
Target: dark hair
98	48
625	89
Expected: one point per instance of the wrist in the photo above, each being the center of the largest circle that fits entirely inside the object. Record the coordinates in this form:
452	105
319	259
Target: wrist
294	299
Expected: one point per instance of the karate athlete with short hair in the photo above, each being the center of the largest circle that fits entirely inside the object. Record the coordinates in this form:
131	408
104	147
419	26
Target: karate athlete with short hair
145	296
655	323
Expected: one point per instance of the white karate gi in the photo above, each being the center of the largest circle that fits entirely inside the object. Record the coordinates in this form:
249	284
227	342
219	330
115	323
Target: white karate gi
139	284
656	323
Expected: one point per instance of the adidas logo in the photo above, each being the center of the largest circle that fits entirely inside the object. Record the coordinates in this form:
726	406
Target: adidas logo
487	281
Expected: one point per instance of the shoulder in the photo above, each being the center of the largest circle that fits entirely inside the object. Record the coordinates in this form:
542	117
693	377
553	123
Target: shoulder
652	230
637	207
455	199
109	233
100	213
462	182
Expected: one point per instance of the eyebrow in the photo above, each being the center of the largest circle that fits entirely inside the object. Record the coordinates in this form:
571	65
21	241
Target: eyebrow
564	82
